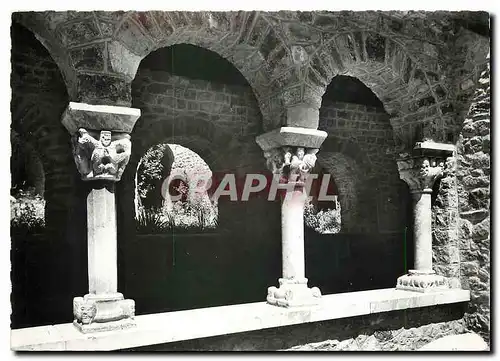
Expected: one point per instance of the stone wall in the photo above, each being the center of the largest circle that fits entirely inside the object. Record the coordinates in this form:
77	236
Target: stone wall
173	107
473	175
38	99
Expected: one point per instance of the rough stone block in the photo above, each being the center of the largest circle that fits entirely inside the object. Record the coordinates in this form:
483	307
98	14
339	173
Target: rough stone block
481	230
89	58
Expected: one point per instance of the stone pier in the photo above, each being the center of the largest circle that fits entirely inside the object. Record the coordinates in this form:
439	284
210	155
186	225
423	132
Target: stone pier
291	154
420	170
101	149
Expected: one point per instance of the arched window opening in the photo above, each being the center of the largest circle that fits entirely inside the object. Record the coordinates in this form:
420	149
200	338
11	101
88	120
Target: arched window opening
186	60
170	193
347	89
368	191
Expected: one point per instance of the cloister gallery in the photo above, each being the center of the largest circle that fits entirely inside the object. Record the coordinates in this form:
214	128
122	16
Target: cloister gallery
394	107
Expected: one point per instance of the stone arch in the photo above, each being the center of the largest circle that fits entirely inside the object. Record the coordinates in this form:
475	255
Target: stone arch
348	177
36	107
246	39
474	65
177	163
37	24
348	148
412	93
352	171
200	135
380	62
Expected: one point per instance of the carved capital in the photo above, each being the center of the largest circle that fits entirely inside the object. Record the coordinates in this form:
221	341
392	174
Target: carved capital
424	165
292	163
103	158
420	173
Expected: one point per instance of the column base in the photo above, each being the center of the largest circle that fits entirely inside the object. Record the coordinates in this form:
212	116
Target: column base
293	293
103	312
421	281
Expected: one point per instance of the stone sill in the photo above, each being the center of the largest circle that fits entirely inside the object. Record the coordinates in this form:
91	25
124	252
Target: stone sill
214	321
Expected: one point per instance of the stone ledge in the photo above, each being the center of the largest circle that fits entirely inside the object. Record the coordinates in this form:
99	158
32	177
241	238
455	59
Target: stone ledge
99	117
214	321
291	136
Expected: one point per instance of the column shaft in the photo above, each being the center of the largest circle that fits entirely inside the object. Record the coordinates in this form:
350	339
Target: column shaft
422	230
292	228
102	248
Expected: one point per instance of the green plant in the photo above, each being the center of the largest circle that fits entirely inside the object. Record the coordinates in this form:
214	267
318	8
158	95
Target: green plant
27	212
325	221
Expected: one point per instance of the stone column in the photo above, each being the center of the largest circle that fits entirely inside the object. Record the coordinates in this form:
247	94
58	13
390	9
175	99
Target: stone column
420	170
291	154
101	148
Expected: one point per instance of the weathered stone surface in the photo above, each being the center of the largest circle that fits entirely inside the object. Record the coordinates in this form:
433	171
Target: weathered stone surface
464	342
103	89
121	60
99	117
481	230
291	136
443	54
103	159
89	58
473	182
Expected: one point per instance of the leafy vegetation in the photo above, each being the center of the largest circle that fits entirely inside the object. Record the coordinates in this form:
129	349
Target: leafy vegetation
184	217
27	212
324	221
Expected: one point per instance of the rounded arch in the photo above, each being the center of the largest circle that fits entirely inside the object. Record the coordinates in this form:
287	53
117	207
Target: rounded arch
245	39
36	23
382	63
39	97
173	162
412	93
351	170
349	149
201	146
200	135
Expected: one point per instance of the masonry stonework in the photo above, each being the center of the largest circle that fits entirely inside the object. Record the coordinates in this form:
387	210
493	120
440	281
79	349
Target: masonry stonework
429	73
473	175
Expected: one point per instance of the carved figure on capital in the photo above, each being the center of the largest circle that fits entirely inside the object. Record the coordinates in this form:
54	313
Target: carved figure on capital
420	173
101	159
293	164
87	311
84	311
302	163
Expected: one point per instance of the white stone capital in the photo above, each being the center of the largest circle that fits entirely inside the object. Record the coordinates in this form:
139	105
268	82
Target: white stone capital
424	166
100	139
101	155
291	163
420	173
99	117
292	137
